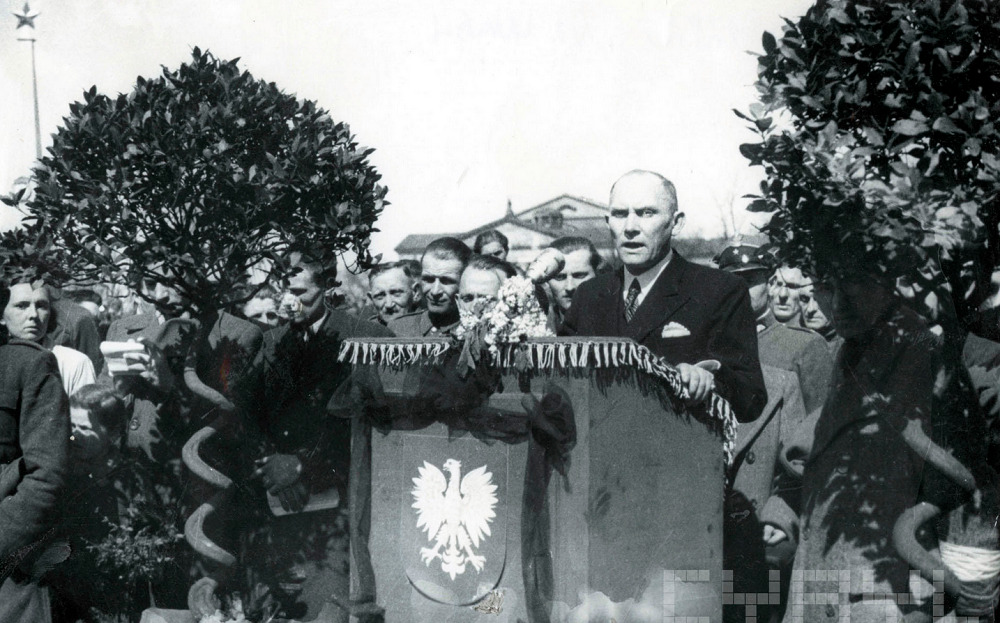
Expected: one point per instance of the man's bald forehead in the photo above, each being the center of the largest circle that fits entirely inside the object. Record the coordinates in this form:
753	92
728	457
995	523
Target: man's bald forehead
639	181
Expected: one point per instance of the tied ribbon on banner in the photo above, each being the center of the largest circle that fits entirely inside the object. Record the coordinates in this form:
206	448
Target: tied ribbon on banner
552	424
552	435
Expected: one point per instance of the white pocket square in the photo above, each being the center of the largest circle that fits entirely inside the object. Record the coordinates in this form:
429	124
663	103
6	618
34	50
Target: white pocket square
674	329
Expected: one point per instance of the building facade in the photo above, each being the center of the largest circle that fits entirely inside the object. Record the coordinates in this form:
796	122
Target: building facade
531	230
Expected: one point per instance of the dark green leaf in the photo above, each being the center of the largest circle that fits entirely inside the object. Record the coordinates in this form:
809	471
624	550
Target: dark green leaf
770	45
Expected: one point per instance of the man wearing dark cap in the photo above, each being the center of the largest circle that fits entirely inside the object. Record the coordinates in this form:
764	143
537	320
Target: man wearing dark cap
792	348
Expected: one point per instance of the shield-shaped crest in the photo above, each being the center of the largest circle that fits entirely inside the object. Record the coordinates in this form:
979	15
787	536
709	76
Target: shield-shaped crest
454	515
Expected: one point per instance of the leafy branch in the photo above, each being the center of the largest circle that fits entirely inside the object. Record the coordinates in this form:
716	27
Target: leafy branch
200	174
876	132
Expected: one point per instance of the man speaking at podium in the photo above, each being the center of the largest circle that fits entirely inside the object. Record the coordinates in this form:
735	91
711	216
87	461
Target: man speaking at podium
698	318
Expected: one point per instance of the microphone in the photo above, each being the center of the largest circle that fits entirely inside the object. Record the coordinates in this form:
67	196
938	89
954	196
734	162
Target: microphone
546	266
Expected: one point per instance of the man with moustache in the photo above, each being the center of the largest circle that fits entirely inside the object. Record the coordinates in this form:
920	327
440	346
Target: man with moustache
441	266
393	290
758	443
784	346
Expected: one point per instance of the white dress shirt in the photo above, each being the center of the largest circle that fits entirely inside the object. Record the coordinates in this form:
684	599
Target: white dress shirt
646	279
75	368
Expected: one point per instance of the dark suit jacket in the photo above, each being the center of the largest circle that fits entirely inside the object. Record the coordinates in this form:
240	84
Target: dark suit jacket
285	396
711	304
34	445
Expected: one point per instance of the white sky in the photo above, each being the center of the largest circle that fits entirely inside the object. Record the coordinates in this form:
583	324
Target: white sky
467	103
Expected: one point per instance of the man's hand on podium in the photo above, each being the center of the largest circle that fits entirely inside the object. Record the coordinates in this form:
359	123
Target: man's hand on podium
698	379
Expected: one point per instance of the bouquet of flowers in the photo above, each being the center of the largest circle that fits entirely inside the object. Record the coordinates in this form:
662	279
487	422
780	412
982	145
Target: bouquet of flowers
515	316
231	614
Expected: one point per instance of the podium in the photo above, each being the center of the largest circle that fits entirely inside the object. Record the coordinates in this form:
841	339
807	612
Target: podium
469	517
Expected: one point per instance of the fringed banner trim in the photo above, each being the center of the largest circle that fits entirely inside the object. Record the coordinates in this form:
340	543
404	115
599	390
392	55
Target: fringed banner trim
393	351
546	354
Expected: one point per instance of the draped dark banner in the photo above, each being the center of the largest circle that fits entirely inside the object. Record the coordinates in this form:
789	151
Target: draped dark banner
596	469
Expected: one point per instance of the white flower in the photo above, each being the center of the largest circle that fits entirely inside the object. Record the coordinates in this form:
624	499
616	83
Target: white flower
513	317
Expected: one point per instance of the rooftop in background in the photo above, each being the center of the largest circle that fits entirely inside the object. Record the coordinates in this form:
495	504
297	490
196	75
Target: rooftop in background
533	229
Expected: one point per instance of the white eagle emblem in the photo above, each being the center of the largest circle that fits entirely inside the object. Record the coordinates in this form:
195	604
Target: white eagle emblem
455	514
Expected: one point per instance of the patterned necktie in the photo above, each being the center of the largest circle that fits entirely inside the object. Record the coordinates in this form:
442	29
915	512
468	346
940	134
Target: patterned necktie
632	300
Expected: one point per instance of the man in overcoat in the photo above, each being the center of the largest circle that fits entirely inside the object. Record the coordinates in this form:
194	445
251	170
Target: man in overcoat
226	348
34	457
812	316
751	477
857	474
786	346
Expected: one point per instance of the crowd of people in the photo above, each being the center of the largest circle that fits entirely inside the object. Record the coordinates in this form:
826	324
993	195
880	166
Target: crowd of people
798	359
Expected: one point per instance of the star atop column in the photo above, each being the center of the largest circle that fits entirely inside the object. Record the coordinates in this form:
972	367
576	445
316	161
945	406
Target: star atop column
26	17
